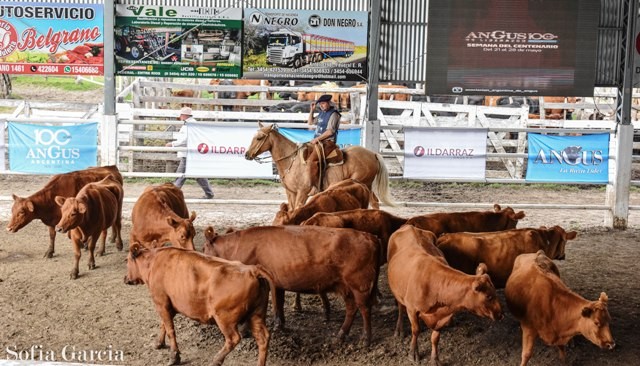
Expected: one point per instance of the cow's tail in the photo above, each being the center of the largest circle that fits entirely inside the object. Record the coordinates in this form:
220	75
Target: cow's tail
264	275
380	183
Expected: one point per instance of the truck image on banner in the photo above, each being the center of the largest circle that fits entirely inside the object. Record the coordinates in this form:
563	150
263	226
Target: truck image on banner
305	45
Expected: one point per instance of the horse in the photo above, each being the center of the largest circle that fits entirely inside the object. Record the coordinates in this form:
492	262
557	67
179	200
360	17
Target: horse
360	164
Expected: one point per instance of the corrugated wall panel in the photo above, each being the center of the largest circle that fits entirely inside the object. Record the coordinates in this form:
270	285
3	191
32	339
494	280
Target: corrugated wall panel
610	35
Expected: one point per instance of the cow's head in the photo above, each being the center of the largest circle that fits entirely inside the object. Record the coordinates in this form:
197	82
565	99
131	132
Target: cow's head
556	238
23	212
134	264
510	216
183	231
483	299
282	216
72	211
210	236
595	323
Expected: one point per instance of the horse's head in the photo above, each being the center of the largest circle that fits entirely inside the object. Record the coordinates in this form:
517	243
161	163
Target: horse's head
260	142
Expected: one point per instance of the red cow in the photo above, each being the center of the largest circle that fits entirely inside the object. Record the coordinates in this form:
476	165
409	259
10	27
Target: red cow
89	214
548	309
348	194
205	289
309	259
160	215
473	221
428	289
41	205
498	250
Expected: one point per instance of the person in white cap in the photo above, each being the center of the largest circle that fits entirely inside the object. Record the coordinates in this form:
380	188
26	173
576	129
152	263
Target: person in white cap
186	115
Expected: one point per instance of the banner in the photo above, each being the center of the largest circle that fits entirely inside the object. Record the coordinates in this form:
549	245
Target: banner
444	153
346	137
218	151
512	47
292	44
52	149
178	41
51	38
3	147
568	158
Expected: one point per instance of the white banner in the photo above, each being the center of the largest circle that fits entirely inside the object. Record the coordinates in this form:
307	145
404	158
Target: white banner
3	147
218	151
444	153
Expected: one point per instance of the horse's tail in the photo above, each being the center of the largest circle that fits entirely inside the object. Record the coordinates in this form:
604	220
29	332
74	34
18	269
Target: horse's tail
380	183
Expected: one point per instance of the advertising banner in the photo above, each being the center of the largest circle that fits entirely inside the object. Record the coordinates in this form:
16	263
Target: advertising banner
568	158
346	138
51	38
178	41
218	151
512	47
52	149
3	147
293	44
445	153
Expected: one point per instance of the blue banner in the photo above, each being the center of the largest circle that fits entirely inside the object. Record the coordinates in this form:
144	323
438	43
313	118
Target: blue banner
346	138
52	149
579	159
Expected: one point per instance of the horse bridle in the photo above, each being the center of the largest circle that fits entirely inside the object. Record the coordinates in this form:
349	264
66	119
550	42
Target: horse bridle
264	160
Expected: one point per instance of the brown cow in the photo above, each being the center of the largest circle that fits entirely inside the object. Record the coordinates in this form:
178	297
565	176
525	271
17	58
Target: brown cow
206	289
472	221
160	215
428	289
548	309
377	222
309	259
245	82
498	250
348	194
89	214
41	205
341	99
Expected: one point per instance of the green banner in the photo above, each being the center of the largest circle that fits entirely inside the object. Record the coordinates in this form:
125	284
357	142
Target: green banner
189	42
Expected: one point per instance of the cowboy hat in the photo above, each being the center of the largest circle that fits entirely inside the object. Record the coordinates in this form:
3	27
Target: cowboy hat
186	111
324	98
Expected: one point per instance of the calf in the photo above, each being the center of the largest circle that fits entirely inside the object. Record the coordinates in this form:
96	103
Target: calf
377	222
473	221
206	289
309	259
548	309
348	194
428	289
89	214
160	215
41	205
465	251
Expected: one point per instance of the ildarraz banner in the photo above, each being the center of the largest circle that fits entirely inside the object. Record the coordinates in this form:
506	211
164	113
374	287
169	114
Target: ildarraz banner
444	153
579	159
346	138
52	149
45	38
178	41
218	151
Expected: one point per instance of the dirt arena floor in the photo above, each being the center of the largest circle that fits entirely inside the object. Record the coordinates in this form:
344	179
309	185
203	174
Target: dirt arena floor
45	314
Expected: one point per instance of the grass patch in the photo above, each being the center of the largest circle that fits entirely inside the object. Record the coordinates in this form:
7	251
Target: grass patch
57	82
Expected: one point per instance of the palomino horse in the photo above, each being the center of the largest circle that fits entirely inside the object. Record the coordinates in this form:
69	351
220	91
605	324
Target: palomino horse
359	163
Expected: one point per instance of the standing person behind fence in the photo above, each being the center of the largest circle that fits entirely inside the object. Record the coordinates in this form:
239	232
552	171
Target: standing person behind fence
181	140
323	149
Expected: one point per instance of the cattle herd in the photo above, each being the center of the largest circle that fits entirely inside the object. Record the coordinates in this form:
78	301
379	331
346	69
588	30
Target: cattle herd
437	264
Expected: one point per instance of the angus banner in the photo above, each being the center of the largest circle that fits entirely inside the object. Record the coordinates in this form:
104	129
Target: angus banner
445	153
178	41
512	47
51	38
346	137
580	159
52	149
218	151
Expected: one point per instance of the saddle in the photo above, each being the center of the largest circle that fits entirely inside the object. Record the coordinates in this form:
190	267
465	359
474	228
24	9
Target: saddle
320	156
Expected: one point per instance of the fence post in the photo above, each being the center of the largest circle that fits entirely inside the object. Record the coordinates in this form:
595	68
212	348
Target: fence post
617	196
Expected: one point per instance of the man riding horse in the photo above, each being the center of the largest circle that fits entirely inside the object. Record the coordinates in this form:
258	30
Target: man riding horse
323	145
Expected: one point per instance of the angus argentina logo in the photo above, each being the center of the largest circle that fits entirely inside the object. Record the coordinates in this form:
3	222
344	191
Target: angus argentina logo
570	155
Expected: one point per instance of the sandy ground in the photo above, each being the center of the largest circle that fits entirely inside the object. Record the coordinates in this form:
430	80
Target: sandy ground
44	311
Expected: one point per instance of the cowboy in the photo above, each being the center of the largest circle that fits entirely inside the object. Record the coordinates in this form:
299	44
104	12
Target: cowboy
323	145
181	140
